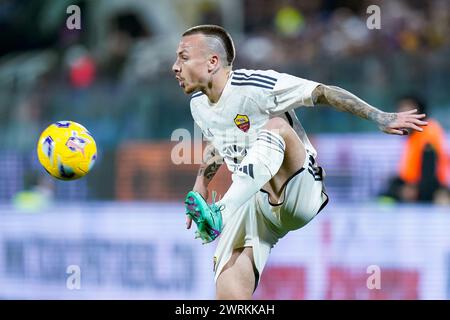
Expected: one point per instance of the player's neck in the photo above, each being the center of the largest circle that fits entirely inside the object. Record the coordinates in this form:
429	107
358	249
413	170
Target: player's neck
216	85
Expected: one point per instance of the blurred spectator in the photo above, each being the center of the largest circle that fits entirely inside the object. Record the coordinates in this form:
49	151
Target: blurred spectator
289	21
125	28
209	13
81	67
38	193
423	172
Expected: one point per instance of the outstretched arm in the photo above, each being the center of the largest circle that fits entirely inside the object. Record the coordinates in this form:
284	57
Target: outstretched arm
393	123
208	169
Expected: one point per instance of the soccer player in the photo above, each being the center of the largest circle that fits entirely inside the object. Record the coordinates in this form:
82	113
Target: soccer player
248	118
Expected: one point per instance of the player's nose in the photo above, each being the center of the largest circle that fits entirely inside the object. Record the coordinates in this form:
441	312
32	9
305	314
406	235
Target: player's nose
176	67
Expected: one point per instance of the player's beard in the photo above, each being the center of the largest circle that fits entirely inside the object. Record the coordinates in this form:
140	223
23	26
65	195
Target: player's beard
187	89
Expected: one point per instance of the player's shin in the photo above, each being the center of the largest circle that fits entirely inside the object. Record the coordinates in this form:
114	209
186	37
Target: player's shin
261	163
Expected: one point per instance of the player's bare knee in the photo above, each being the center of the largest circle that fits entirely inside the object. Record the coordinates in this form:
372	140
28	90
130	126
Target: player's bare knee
279	126
276	123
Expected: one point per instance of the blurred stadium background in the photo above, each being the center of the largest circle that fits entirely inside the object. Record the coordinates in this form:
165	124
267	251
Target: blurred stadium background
123	224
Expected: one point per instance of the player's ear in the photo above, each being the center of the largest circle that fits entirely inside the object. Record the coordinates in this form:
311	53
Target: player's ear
213	63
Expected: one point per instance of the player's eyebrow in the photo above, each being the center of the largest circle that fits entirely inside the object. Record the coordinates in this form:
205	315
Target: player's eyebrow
179	53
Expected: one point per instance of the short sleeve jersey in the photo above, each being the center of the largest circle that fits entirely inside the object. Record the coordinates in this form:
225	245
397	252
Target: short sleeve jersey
249	99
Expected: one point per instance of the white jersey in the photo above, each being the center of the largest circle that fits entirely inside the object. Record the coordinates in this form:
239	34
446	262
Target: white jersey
250	98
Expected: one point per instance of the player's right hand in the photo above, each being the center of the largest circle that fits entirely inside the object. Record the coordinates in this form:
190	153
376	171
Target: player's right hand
204	193
400	123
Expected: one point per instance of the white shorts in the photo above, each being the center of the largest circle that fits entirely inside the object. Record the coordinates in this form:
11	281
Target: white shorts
260	224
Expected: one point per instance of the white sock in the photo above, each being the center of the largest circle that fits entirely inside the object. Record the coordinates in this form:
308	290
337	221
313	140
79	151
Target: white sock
261	163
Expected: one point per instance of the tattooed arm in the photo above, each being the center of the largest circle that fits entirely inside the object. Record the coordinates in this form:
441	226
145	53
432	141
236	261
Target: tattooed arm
211	164
208	169
393	123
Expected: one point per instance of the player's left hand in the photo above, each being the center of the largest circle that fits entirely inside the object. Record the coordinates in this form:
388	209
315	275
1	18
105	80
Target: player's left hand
399	123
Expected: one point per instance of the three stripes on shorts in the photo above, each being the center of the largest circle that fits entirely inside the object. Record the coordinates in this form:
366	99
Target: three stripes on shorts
313	169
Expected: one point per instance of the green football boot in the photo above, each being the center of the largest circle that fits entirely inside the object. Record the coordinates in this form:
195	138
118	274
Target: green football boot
208	218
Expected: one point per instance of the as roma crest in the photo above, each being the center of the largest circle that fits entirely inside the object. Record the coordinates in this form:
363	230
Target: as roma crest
242	122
